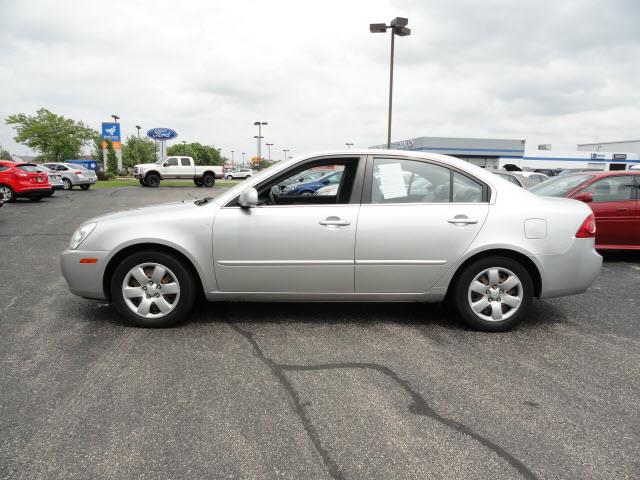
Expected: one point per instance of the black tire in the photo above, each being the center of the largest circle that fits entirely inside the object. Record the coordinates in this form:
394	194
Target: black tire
229	177
36	198
209	180
152	180
142	182
67	185
85	187
198	182
8	193
459	301
184	276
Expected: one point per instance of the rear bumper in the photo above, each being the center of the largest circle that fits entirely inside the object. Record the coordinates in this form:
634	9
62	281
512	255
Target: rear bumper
84	279
85	181
33	192
571	272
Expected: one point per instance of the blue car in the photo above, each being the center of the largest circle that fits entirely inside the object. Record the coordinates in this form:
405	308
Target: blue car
310	188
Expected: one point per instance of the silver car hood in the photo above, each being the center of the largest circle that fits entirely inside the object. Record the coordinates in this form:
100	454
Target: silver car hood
158	211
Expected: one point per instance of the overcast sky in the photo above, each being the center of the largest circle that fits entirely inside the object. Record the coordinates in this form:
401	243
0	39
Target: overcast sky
561	72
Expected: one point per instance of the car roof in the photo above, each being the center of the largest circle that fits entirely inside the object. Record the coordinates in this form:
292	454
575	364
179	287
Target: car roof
605	173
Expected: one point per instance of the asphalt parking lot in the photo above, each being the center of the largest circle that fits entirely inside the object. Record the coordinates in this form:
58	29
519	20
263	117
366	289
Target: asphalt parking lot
304	390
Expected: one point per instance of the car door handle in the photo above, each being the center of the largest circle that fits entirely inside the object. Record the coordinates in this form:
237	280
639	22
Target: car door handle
621	209
334	221
463	220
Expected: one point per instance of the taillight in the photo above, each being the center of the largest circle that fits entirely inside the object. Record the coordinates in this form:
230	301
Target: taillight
588	228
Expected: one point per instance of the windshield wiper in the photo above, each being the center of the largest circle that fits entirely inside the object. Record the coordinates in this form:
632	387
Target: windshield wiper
202	201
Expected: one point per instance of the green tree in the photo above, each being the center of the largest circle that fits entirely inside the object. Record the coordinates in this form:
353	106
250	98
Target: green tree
202	154
137	150
112	159
4	155
54	137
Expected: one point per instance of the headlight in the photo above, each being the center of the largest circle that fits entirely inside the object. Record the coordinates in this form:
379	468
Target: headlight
80	234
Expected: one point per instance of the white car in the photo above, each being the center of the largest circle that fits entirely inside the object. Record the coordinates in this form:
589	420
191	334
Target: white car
239	173
150	174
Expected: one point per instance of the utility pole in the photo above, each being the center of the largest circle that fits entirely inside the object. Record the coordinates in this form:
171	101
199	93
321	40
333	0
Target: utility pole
269	145
259	137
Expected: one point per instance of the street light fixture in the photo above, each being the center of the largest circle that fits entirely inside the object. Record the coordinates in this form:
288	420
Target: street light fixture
398	26
349	145
269	145
138	127
115	118
259	137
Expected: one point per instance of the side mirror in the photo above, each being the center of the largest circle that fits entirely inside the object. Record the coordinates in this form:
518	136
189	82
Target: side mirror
165	164
584	197
248	198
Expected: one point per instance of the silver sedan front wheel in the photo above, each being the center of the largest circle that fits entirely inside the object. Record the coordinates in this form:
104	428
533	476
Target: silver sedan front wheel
495	294
151	290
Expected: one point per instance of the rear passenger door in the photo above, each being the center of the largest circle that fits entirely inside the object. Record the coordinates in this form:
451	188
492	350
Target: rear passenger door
417	218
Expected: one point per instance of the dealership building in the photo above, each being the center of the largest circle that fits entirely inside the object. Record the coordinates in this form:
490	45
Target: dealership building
497	152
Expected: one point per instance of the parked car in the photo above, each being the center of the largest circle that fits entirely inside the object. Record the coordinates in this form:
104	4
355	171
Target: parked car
484	246
310	188
613	198
549	172
150	174
239	173
55	179
73	175
22	180
522	179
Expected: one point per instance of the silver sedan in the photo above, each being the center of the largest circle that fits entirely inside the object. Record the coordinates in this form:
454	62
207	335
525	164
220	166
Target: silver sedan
401	226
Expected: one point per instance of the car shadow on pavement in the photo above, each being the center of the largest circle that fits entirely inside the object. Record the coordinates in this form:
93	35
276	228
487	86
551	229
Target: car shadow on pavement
621	256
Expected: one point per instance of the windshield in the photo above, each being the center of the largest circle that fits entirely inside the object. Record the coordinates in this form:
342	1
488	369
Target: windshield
559	186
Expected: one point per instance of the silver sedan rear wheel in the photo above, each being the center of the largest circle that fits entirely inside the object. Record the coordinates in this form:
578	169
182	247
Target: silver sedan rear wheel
495	294
151	290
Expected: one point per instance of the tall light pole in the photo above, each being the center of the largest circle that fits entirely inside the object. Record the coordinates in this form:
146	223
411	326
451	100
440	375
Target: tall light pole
115	118
285	153
232	152
349	144
269	145
184	147
398	26
138	127
243	154
259	137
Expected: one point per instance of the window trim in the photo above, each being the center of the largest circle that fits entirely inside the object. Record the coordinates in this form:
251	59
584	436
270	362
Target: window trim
368	182
356	189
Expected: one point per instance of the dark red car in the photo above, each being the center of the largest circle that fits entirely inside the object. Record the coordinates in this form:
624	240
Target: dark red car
22	180
614	198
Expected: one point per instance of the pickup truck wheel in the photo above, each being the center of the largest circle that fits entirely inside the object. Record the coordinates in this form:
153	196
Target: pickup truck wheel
229	177
209	179
142	182
152	180
153	289
198	181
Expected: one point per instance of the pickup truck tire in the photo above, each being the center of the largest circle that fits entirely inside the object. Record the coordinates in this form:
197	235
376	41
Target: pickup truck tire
198	181
142	183
152	180
208	179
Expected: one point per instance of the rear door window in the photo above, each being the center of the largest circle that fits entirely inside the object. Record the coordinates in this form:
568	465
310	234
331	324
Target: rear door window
186	162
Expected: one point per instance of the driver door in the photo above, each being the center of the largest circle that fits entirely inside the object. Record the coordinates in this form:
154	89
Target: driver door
291	243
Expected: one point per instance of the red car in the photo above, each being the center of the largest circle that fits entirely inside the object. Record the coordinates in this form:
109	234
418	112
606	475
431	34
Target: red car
22	180
613	196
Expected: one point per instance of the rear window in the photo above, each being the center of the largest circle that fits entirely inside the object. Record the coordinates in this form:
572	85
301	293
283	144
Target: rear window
27	167
559	186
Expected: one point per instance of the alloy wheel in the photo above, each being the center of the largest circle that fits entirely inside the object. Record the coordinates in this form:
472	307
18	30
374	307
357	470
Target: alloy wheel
6	193
495	294
151	290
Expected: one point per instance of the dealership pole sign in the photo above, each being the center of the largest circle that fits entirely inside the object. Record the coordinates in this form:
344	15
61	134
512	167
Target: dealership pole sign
111	131
162	135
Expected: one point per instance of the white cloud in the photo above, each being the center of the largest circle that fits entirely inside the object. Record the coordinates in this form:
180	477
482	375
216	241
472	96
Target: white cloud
547	71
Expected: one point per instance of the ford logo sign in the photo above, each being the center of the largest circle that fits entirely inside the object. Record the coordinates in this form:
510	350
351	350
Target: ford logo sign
162	134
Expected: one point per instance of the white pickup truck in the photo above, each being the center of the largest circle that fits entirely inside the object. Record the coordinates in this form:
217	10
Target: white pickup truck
150	174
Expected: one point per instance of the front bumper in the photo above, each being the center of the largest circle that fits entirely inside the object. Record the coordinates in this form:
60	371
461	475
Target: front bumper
571	272
84	279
